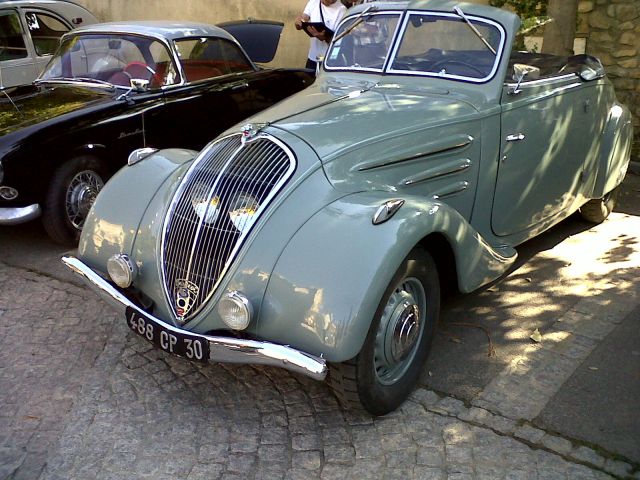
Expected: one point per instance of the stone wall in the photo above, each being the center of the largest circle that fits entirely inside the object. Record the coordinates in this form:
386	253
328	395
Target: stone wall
612	30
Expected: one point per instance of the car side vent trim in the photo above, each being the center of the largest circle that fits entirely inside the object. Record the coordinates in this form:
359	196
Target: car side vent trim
214	209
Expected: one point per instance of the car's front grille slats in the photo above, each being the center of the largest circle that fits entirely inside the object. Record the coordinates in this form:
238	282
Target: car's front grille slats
222	195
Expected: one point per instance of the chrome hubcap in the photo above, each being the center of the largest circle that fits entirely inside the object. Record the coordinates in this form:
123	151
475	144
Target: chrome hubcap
81	193
400	330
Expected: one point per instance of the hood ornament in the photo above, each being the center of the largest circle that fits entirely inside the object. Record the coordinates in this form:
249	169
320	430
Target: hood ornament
250	131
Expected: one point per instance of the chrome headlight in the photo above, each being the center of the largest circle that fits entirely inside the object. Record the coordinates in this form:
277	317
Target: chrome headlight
243	211
205	206
122	270
235	310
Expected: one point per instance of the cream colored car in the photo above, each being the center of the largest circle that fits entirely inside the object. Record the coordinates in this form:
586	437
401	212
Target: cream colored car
30	32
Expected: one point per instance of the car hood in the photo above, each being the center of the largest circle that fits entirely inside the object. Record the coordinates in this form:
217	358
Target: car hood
353	117
28	105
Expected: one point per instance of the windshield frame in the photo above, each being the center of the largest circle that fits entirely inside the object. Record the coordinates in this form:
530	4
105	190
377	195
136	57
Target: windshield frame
394	39
89	33
398	35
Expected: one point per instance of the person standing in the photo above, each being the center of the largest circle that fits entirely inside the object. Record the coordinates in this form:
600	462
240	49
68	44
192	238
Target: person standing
327	12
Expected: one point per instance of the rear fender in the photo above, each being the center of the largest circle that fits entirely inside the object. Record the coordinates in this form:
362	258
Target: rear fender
328	282
615	150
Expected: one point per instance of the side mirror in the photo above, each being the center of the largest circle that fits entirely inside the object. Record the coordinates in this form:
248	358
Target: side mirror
520	72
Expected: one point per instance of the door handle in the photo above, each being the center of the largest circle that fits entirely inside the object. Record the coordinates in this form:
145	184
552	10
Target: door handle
236	86
515	137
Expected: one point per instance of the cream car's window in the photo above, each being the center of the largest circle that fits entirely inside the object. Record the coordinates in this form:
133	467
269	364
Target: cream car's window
367	45
45	31
12	44
446	46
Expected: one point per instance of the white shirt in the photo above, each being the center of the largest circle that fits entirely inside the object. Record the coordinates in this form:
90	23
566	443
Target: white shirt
332	16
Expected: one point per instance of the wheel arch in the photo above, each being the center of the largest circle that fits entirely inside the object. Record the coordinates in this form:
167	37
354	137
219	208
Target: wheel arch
327	284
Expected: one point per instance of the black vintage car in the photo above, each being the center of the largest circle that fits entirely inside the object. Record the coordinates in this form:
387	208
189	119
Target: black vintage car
112	88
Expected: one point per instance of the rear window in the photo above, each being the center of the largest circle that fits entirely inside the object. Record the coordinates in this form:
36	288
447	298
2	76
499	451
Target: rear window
206	57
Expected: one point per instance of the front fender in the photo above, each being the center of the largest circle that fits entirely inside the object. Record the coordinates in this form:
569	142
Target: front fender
328	282
113	222
615	150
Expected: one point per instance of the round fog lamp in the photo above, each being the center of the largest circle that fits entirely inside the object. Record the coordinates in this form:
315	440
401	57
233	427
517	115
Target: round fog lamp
235	310
121	270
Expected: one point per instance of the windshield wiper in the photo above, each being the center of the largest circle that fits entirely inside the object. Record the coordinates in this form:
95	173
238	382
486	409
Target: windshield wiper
95	81
356	21
461	14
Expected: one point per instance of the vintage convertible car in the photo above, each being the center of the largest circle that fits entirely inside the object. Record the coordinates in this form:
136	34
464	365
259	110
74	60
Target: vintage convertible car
111	88
319	236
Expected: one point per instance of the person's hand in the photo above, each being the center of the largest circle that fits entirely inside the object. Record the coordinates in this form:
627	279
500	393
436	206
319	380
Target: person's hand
298	22
319	34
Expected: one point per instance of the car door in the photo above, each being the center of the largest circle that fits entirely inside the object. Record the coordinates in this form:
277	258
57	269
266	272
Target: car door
16	59
542	153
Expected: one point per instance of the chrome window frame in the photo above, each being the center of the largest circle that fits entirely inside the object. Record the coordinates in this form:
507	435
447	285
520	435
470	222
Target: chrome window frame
488	78
394	39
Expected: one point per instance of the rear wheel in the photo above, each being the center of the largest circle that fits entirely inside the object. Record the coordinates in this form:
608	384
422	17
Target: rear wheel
72	191
598	209
387	368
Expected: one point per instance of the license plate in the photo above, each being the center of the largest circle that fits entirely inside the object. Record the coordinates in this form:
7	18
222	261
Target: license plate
177	343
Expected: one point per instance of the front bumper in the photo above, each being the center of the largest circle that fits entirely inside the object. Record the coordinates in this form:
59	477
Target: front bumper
222	349
16	215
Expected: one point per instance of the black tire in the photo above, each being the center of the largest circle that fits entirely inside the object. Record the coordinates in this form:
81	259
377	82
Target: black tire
381	377
72	190
598	209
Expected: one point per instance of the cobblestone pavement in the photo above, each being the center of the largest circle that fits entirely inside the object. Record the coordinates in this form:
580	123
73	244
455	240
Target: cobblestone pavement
75	410
84	398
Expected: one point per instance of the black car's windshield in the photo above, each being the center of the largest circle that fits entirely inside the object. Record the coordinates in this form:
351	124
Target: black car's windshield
111	58
366	46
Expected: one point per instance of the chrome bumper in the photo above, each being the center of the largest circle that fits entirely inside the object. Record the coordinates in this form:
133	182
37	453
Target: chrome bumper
222	349
14	216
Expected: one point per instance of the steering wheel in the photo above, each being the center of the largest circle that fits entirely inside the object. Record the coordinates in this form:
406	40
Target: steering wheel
139	70
450	61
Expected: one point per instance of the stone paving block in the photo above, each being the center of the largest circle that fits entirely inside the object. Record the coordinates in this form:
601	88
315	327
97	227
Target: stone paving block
621	469
529	433
586	454
557	444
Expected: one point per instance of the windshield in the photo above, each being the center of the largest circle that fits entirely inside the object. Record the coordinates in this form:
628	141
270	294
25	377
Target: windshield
445	45
366	47
112	58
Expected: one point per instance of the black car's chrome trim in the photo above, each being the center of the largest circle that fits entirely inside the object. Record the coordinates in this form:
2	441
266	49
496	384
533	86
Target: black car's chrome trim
17	215
222	349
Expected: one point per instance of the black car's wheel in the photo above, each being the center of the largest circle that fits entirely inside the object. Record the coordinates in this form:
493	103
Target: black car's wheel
387	368
73	189
598	209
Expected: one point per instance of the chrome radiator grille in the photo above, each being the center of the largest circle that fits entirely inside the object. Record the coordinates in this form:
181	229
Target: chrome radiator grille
221	197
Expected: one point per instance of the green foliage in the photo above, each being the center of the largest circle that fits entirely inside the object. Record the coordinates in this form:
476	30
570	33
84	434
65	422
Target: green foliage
524	8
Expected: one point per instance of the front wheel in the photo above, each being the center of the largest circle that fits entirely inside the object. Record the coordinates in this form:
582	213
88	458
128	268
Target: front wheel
73	189
598	209
387	368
